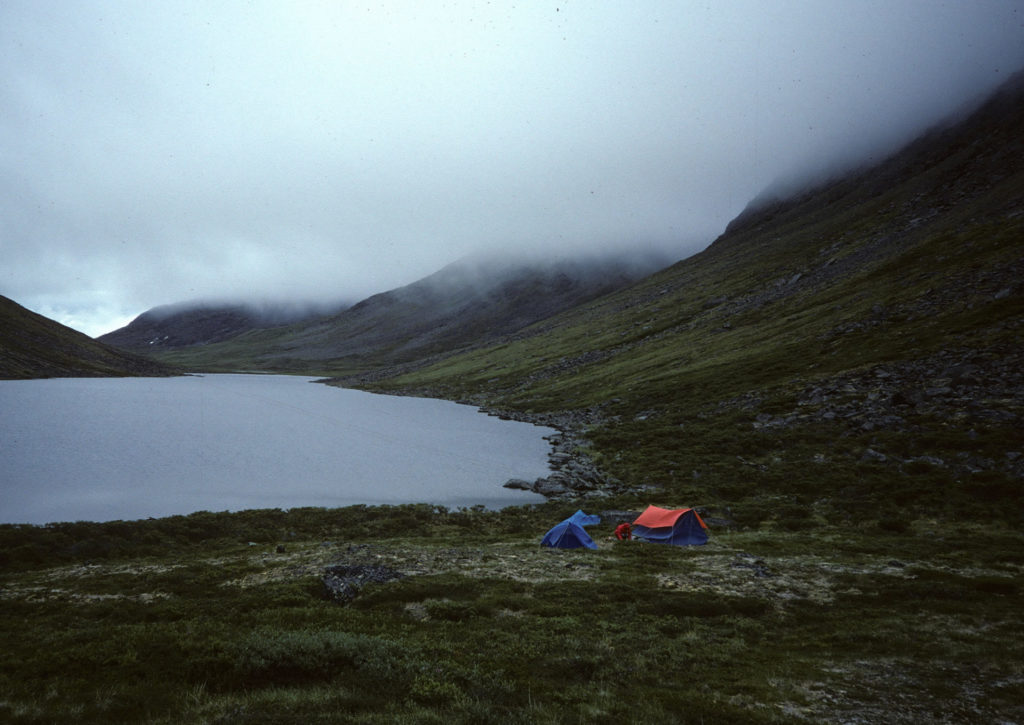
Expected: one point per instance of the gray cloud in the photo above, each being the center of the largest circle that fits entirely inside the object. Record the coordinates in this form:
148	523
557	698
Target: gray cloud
151	153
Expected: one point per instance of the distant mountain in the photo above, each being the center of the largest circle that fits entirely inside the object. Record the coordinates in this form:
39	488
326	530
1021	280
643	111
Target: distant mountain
33	346
200	323
467	304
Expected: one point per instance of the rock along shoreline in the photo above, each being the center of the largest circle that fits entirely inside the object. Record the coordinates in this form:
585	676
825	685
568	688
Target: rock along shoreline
573	472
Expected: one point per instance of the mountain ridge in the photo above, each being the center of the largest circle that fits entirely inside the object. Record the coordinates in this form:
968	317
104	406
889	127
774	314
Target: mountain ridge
465	304
34	346
202	323
884	307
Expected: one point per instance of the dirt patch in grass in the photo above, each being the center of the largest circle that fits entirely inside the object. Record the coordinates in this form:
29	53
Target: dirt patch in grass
516	561
73	584
779	578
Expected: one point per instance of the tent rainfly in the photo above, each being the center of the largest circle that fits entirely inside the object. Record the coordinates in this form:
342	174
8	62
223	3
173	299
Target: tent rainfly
569	534
682	527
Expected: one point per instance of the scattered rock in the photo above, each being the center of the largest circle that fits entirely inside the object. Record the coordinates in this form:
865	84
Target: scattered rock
343	581
749	561
550	486
950	388
573	471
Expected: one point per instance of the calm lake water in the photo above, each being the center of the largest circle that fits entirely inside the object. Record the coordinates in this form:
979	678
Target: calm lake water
100	449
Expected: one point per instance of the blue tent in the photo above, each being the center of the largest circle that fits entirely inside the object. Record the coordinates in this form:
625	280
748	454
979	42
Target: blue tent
569	534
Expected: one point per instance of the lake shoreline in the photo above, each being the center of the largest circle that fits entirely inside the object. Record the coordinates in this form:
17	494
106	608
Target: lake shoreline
574	473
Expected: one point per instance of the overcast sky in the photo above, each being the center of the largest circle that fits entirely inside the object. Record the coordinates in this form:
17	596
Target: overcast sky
156	152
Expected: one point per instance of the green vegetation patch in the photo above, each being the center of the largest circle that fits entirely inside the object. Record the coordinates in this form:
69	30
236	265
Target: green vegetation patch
765	625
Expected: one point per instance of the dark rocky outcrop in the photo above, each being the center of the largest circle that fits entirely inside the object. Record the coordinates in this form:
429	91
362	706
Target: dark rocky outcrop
342	582
573	471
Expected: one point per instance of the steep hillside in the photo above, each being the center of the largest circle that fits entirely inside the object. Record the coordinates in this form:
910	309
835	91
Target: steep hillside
32	346
467	304
854	346
186	324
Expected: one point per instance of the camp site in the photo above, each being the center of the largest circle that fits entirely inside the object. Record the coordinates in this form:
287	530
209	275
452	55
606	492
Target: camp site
678	527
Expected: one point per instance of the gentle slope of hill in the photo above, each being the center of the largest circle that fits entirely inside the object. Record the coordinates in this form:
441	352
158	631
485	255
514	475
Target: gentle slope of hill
33	346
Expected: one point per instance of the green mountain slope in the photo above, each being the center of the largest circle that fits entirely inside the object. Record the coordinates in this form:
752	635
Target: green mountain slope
33	346
855	345
197	323
467	304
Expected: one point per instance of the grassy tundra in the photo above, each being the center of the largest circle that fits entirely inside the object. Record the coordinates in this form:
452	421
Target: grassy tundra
225	618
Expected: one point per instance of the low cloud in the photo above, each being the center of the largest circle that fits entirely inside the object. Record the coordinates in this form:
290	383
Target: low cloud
327	151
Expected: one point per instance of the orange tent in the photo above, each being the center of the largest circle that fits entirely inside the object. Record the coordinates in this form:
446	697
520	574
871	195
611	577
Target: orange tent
682	527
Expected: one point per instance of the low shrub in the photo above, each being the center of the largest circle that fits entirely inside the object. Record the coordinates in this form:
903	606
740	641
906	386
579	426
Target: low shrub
998	585
700	604
417	589
452	611
270	656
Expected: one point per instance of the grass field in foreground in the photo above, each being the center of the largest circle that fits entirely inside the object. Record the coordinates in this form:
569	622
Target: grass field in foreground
224	618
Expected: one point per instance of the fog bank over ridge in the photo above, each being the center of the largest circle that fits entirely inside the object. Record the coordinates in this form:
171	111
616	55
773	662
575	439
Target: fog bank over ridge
330	152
